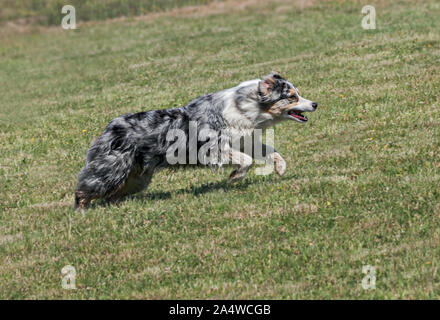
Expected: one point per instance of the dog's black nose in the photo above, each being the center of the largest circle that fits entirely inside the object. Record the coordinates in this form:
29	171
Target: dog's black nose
314	105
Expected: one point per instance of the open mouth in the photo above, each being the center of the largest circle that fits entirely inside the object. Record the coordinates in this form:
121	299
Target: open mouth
297	115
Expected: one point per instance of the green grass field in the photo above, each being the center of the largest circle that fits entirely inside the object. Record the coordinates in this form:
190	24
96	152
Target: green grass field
362	182
48	11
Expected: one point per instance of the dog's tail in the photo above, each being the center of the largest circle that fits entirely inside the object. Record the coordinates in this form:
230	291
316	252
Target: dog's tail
108	167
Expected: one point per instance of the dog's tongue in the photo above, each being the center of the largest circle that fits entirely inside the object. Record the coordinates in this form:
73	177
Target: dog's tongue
299	116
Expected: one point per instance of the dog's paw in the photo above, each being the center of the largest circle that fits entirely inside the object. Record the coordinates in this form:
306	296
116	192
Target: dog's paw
280	164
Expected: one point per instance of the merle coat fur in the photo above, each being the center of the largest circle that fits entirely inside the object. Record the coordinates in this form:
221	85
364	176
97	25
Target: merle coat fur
124	158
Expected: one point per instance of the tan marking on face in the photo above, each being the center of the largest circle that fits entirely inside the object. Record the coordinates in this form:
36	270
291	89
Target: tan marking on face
292	92
279	107
270	80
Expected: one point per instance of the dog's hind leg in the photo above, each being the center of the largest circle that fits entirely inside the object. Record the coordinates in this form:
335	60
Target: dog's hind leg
137	181
82	200
102	177
95	184
243	161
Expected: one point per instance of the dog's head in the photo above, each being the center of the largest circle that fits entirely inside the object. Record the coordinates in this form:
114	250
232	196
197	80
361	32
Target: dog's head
281	99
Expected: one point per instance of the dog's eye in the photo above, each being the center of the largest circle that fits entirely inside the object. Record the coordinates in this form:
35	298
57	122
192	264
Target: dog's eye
293	98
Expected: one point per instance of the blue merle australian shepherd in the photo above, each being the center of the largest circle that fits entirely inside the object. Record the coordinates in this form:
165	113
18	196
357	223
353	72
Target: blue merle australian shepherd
124	158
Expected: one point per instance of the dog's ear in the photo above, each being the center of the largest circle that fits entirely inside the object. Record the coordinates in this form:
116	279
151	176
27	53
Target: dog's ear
269	82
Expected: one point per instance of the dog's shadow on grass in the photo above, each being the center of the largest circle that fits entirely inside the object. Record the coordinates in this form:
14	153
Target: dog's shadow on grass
206	188
193	190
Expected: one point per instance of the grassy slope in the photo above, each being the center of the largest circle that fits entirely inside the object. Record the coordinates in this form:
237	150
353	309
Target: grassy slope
48	11
362	180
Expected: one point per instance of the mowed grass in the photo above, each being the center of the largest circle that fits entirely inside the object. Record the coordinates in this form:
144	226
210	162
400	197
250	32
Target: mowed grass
361	187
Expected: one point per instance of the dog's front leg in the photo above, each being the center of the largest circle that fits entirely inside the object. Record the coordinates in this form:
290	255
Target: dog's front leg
243	161
271	156
278	161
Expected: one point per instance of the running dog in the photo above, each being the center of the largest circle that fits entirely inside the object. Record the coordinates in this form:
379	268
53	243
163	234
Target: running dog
124	158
